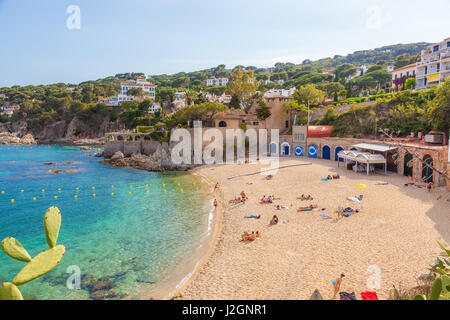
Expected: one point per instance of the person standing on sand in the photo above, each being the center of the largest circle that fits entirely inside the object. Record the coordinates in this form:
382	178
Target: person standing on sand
337	285
215	203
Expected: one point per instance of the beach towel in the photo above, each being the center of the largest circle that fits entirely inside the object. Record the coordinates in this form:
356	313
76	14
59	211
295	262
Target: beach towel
361	186
324	179
347	296
324	216
369	295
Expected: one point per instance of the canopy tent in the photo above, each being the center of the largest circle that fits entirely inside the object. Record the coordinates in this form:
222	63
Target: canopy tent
362	157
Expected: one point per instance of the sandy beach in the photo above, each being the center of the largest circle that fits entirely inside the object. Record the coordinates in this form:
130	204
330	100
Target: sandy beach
393	236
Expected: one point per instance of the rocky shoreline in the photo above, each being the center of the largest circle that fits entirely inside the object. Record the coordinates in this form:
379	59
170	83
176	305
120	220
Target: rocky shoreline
14	139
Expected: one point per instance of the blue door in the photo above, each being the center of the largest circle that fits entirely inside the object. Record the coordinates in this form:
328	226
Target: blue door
299	151
326	153
312	151
286	150
338	149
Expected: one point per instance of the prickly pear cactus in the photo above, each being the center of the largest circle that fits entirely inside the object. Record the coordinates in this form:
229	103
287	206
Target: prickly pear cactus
41	264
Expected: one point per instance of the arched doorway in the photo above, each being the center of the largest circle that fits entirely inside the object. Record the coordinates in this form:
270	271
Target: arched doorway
427	172
222	124
313	151
407	170
336	158
299	151
326	152
273	148
285	148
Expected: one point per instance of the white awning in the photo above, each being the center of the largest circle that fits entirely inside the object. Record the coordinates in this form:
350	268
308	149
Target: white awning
374	147
361	157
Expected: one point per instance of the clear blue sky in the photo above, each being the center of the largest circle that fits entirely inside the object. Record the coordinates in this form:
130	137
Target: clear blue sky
169	36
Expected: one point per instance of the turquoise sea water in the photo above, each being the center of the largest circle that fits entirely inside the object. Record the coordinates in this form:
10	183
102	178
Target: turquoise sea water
133	240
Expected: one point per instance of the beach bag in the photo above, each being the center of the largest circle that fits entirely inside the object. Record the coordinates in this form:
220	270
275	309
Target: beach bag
369	295
347	296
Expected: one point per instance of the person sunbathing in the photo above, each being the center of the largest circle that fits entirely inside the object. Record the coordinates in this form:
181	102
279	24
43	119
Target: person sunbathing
236	200
336	176
258	235
308	208
252	217
244	196
281	207
274	220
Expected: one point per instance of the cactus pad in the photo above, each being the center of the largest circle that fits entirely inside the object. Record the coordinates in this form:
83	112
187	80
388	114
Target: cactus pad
40	265
15	250
8	291
52	223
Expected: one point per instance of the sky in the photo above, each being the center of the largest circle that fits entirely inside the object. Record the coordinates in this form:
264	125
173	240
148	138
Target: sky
46	41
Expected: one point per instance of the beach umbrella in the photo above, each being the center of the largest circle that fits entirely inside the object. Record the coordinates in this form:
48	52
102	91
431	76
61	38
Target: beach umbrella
361	186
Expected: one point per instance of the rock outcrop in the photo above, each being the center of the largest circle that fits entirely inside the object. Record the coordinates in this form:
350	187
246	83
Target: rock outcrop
160	160
13	138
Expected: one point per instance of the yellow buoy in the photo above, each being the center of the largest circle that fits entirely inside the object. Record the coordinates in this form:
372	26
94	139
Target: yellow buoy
59	189
129	192
181	190
165	191
164	185
21	190
112	193
55	197
148	191
179	185
93	188
3	192
43	190
146	185
94	195
34	199
112	187
76	196
77	188
196	188
12	200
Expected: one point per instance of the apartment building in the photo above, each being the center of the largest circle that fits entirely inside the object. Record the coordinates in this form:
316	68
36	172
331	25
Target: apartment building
434	66
215	82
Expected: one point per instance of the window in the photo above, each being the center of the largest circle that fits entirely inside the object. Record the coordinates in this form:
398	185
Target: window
436	48
438	67
448	44
299	137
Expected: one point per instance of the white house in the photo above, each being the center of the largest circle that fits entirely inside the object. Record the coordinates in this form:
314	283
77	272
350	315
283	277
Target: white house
180	100
154	107
148	88
224	98
279	93
9	110
215	82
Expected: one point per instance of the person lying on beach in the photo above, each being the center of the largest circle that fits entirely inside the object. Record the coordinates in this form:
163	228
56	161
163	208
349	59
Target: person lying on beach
337	285
304	198
274	220
281	207
248	236
336	176
308	208
236	200
258	235
355	198
252	217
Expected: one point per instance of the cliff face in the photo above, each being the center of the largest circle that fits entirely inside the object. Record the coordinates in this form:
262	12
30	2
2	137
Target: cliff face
60	131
